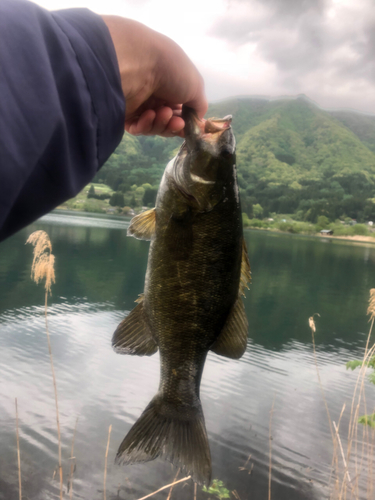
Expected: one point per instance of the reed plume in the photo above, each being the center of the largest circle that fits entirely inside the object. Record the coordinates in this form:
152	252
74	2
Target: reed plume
371	305
43	268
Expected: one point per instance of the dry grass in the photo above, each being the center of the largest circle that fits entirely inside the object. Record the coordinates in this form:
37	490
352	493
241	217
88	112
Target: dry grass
42	268
165	487
270	451
18	454
246	467
313	330
174	481
72	463
105	464
352	460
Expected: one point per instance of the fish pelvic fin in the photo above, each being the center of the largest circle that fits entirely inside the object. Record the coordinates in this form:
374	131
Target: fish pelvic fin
142	226
177	434
245	277
232	340
133	335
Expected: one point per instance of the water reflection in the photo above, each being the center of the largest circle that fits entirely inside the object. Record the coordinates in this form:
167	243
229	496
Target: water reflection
100	273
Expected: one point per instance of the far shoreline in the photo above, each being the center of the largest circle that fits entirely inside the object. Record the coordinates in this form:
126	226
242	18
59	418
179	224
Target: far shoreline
354	238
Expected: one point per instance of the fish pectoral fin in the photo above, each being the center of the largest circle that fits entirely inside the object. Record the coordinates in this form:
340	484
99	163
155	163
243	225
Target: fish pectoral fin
133	335
245	277
142	226
232	340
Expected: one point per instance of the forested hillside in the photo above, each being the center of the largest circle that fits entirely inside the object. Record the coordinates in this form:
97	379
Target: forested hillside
292	158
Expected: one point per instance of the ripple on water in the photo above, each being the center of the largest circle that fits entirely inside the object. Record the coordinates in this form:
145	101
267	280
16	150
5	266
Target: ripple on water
103	388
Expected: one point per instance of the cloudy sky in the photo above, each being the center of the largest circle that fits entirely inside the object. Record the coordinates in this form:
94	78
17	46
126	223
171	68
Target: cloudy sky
322	48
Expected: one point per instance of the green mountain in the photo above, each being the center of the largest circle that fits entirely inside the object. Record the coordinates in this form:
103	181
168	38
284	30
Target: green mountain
292	158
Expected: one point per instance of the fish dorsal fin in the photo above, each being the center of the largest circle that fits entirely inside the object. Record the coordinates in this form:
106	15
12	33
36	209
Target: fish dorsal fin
245	271
142	226
232	340
133	335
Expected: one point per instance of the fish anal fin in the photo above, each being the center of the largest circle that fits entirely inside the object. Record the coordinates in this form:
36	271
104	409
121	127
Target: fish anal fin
142	226
133	335
245	277
232	340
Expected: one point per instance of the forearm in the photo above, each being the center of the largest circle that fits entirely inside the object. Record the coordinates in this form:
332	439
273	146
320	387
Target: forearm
61	109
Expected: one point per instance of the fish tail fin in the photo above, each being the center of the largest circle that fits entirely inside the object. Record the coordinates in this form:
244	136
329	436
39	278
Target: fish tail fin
177	434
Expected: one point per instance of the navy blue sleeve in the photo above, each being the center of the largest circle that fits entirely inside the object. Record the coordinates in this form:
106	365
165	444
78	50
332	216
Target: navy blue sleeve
62	110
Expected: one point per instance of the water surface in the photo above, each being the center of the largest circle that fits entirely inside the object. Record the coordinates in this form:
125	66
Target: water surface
99	274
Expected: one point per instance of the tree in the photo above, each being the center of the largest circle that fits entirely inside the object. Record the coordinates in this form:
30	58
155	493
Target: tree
258	211
322	221
149	197
91	193
117	199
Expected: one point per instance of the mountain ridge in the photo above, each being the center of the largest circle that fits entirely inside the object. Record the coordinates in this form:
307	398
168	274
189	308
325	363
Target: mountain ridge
292	157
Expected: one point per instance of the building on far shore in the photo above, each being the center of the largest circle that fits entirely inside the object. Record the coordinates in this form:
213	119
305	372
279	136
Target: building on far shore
326	232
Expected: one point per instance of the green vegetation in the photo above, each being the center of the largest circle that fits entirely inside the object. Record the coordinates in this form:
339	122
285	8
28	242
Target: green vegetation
293	158
352	365
288	224
368	361
217	488
138	161
93	198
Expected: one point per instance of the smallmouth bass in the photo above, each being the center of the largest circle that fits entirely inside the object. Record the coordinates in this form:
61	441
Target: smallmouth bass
197	271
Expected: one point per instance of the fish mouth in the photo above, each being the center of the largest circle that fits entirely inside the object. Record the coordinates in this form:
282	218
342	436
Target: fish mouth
195	167
209	130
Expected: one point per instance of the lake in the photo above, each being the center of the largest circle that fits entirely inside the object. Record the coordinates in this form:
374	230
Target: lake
99	274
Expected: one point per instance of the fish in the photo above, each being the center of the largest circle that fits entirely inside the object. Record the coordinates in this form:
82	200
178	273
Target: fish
197	272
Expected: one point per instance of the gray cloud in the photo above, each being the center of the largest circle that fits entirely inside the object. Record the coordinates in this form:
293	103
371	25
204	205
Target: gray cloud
316	46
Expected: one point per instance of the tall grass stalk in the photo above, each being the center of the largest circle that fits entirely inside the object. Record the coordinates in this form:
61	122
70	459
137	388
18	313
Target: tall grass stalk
72	462
171	489
270	451
313	330
365	458
165	487
18	454
356	457
105	464
43	268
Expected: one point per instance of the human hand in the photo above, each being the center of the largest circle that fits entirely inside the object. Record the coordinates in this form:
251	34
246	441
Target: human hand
157	77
